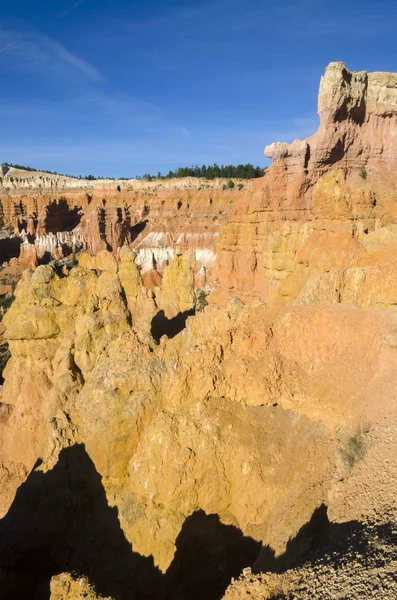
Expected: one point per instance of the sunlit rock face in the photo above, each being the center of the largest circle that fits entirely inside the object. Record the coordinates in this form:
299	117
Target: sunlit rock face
320	226
239	426
151	449
158	219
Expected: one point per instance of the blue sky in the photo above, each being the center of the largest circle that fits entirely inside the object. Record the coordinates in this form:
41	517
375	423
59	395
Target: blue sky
120	88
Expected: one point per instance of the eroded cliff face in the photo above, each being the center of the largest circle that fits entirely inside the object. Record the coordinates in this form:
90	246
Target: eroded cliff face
231	433
162	451
159	219
321	225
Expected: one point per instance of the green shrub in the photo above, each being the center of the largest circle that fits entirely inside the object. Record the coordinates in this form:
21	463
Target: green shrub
201	301
363	173
353	451
5	303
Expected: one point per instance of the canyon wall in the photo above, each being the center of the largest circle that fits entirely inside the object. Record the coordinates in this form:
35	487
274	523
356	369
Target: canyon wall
159	219
319	226
164	451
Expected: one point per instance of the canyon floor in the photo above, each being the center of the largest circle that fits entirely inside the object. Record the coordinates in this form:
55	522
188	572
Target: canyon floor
199	383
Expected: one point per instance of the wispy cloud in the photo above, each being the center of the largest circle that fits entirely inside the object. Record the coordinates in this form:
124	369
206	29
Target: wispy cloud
32	49
69	10
64	55
7	46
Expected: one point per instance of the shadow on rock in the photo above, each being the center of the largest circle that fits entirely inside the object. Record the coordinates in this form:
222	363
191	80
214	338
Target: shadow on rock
313	535
138	228
329	543
60	217
10	248
208	554
161	325
60	521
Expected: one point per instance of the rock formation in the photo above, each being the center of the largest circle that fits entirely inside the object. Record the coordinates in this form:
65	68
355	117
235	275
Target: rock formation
247	414
73	588
158	219
147	452
321	225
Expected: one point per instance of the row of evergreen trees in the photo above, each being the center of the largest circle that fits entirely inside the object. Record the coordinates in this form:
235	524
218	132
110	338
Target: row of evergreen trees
214	171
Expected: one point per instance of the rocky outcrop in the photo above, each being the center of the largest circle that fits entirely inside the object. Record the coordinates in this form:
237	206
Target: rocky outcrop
320	226
177	293
233	432
12	178
106	228
67	587
48	247
358	118
155	453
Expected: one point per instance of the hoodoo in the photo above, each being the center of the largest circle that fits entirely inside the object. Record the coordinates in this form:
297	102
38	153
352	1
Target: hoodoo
321	225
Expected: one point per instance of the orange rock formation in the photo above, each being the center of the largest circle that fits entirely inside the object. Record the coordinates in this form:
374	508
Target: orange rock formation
159	219
160	466
321	225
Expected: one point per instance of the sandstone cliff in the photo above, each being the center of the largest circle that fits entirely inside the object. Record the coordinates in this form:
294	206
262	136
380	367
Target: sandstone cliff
321	225
235	431
135	464
159	219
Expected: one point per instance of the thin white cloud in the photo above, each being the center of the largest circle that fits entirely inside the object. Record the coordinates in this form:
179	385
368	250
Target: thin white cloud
7	46
69	10
64	55
30	48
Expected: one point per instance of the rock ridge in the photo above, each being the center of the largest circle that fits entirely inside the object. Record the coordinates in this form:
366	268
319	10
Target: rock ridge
335	190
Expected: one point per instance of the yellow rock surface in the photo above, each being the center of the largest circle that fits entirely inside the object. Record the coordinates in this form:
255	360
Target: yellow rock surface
240	415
